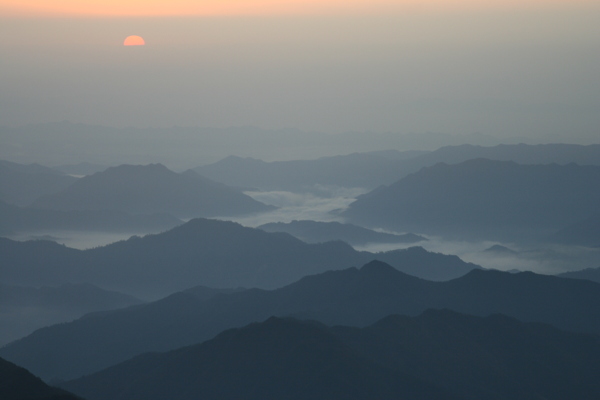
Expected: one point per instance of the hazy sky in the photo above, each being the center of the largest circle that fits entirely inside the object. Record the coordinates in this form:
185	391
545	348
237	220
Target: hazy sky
514	68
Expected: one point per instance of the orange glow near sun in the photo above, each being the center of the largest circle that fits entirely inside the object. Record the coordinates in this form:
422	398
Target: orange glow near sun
134	40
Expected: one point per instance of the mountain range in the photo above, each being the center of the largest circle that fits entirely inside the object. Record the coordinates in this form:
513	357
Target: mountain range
17	383
372	169
152	189
25	219
355	297
25	309
202	252
319	232
22	184
483	199
437	355
590	274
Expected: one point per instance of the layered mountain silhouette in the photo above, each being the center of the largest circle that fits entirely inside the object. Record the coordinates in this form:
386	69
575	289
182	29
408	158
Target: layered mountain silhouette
81	169
276	359
319	232
590	274
355	297
17	383
483	198
22	219
202	252
372	169
147	189
22	184
354	170
439	354
25	309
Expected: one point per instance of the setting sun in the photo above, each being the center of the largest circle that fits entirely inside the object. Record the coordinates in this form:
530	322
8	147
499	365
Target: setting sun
134	40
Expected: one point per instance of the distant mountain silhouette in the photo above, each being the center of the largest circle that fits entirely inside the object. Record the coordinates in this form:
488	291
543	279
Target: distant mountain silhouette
590	274
25	309
364	170
152	189
496	357
276	359
319	232
583	233
17	383
372	169
22	184
355	297
483	199
202	252
555	153
500	250
21	219
81	169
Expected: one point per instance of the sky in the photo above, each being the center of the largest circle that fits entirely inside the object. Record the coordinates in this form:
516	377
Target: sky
506	68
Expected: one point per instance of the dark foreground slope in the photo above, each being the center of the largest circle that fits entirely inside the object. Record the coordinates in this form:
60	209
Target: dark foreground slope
398	357
202	252
276	359
17	383
152	189
483	199
355	297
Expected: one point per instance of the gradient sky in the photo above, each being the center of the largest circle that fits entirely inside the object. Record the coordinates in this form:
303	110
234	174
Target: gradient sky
506	68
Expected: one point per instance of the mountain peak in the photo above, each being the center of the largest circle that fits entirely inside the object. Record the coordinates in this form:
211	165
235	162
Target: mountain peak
379	268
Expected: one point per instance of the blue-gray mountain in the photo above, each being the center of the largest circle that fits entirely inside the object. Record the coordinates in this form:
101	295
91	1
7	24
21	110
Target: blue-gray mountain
22	184
483	199
356	297
24	219
202	252
25	309
319	232
370	170
152	189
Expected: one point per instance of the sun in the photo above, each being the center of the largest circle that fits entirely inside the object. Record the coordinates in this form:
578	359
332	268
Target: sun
134	40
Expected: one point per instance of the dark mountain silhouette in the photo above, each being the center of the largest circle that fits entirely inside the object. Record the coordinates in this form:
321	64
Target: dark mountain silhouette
370	170
276	359
152	189
17	383
319	232
21	219
590	274
22	184
355	297
25	309
583	233
483	198
207	252
496	357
